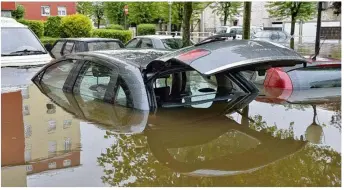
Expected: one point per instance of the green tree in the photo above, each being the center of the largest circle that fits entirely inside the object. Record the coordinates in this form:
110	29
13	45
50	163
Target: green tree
296	11
226	10
19	12
114	12
143	12
84	8
186	23
98	11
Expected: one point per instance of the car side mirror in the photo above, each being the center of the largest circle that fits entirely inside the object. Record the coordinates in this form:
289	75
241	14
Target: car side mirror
48	47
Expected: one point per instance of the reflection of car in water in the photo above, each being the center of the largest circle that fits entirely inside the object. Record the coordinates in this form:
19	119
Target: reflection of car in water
173	98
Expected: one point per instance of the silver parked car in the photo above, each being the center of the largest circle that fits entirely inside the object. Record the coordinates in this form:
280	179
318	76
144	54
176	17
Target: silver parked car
273	36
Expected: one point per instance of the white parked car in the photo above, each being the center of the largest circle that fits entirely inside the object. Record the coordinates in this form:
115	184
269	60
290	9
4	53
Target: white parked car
20	46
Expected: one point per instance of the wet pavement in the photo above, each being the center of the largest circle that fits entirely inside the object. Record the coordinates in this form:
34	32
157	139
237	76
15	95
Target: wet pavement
263	144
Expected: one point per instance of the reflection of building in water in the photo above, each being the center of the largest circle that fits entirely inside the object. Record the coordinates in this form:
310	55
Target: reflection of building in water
13	170
36	136
52	137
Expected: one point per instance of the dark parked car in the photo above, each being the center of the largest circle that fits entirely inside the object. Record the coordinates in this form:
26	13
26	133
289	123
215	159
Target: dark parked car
212	67
66	46
156	42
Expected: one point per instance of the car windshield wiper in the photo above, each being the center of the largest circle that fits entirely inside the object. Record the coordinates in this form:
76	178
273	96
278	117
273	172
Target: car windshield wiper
24	52
215	38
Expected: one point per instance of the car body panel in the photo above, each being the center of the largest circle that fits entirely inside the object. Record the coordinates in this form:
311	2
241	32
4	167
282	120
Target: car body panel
225	55
29	60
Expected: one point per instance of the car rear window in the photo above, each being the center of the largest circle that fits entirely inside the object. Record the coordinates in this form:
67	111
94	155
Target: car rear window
172	43
96	46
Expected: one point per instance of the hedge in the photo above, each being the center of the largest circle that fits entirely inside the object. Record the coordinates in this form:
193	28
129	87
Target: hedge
115	27
146	29
52	27
48	40
36	26
123	35
76	25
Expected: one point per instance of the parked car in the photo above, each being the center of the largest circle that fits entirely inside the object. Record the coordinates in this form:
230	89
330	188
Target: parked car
236	31
315	74
156	42
66	46
161	76
273	36
20	46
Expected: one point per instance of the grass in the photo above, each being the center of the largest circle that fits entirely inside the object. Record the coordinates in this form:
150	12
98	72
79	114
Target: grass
46	40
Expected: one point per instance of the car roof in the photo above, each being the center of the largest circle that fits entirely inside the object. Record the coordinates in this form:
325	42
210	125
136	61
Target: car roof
89	39
159	36
137	57
11	23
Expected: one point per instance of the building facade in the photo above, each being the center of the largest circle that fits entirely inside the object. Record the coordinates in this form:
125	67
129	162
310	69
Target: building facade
40	10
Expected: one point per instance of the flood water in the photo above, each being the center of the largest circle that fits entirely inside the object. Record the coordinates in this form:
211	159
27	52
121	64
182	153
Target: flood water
263	144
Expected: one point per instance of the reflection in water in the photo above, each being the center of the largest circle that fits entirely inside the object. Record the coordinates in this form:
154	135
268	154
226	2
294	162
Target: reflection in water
203	147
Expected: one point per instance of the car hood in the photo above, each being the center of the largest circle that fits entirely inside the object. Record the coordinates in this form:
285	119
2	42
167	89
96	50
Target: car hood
27	60
218	56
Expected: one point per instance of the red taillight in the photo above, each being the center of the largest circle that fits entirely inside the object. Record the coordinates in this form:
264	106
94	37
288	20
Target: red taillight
192	55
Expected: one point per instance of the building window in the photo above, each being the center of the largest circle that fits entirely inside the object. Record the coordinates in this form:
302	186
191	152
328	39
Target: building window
67	144
51	126
67	123
51	108
45	10
61	11
27	131
67	163
27	154
52	165
29	168
52	149
26	110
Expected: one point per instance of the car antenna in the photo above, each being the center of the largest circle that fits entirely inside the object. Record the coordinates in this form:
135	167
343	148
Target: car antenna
314	58
218	37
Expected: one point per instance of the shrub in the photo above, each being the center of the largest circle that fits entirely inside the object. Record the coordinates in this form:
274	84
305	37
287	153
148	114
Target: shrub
52	27
19	12
48	40
76	25
123	35
36	26
146	29
115	27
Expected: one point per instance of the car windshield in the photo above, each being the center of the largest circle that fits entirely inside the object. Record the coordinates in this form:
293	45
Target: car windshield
94	46
172	43
20	40
239	31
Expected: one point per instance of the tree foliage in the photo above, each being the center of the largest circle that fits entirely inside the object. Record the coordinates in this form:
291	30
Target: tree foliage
19	12
98	11
114	12
337	6
143	12
84	8
226	10
296	11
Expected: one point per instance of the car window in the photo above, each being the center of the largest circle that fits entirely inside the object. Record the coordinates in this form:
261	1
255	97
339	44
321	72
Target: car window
92	81
263	34
133	43
56	50
56	74
69	48
172	43
282	36
96	46
146	43
221	30
18	39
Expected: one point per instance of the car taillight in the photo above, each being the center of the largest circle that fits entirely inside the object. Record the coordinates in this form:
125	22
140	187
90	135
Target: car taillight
192	55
